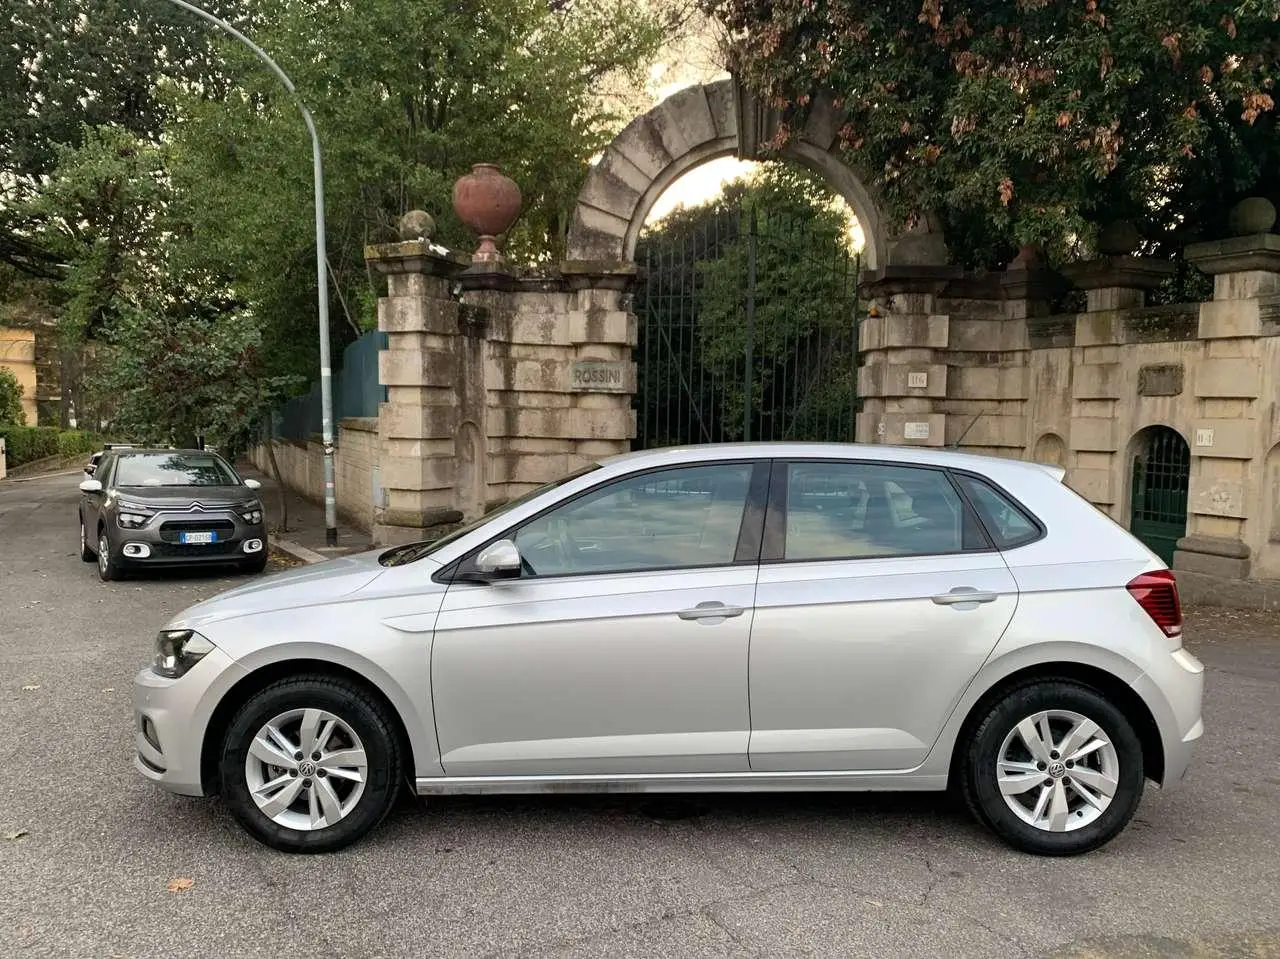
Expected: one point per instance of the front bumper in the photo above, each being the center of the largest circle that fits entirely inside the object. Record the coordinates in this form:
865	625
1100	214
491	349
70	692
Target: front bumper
157	543
170	719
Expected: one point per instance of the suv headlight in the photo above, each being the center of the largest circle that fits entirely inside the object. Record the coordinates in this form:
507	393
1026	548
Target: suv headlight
177	650
252	512
131	515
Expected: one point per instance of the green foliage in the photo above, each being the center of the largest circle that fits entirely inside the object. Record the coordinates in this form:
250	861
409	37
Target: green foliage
406	97
11	411
26	444
801	336
178	367
1027	121
87	64
102	212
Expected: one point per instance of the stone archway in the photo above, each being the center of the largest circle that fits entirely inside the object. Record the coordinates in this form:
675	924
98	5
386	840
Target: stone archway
688	129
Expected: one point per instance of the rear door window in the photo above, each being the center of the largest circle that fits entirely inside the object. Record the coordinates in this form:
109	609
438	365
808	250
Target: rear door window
857	510
1008	523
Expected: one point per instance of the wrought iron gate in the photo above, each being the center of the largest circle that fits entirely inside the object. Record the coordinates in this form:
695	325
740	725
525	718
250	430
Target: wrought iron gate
748	331
1161	475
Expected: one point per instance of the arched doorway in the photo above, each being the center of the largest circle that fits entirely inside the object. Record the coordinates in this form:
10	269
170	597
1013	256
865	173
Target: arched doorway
1160	475
1050	450
744	333
747	316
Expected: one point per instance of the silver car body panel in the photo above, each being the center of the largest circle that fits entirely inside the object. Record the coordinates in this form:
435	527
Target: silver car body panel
851	675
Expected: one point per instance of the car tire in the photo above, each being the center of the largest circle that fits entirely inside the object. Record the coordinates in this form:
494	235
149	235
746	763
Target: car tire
1056	784
256	565
86	554
109	566
285	818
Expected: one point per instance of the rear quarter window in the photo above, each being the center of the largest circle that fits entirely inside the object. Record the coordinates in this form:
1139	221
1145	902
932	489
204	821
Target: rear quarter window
1009	524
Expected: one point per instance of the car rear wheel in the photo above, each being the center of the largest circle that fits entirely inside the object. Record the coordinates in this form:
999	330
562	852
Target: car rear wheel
311	764
86	553
109	567
1054	769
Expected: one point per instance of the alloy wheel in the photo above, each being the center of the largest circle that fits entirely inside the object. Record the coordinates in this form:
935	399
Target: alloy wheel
1057	770
104	553
306	769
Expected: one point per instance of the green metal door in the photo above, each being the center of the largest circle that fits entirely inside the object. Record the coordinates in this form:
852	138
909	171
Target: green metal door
1161	473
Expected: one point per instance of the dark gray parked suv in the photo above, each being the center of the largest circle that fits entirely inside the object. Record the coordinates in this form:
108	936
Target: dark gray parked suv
169	508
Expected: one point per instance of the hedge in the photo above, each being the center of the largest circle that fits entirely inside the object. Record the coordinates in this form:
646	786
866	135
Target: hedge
25	444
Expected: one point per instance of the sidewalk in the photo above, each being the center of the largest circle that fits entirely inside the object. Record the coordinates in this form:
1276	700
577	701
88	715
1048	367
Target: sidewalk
305	538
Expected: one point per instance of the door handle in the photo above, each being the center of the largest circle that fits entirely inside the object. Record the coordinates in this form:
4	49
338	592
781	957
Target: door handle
711	610
964	594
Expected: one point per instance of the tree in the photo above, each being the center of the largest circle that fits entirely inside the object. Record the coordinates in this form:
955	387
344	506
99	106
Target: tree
406	98
11	411
85	64
802	336
1027	121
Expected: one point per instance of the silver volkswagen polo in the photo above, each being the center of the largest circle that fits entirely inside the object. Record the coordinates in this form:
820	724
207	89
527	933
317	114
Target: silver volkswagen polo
721	618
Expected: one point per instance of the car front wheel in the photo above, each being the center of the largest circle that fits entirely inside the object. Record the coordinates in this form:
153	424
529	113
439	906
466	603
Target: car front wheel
311	764
108	566
1054	769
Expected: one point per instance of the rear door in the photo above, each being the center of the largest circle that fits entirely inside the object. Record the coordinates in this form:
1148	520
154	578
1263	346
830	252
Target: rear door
879	597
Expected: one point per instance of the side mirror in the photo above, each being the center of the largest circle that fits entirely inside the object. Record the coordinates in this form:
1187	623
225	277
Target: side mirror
252	484
91	486
500	560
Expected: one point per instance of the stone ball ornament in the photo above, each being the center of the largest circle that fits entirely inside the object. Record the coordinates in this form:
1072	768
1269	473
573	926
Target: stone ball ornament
488	202
1255	214
417	225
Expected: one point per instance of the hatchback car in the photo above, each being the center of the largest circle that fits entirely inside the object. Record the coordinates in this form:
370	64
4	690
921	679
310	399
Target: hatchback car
724	618
169	508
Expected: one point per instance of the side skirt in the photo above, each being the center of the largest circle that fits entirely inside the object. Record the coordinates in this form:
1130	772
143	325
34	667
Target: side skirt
906	781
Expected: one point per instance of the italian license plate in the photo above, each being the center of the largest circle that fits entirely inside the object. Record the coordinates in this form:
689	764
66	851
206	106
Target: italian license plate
198	539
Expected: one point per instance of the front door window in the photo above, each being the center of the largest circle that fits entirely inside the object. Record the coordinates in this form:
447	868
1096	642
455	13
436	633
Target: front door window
684	518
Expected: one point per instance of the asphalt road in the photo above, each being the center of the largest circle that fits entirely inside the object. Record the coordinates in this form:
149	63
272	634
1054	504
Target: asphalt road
96	847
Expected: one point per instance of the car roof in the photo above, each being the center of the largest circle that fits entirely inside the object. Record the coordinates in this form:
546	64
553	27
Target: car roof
914	455
160	451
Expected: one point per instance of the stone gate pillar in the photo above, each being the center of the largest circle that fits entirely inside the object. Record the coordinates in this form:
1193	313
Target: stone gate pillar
1235	392
424	371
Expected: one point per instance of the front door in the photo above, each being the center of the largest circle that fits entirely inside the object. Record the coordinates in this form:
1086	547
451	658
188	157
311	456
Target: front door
879	598
622	649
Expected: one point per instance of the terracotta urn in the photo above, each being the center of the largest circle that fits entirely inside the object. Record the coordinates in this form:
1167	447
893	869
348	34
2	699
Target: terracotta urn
489	203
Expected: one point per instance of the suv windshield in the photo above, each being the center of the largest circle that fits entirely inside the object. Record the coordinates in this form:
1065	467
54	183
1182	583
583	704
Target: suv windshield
174	469
415	551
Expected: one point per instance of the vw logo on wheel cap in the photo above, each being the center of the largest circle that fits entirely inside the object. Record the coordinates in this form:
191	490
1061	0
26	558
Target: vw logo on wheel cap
307	768
1056	769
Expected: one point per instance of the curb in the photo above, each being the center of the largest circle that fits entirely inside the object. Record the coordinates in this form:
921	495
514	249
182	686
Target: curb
40	476
298	551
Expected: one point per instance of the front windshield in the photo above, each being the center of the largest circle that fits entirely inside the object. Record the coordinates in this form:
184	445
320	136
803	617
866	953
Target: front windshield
174	469
416	551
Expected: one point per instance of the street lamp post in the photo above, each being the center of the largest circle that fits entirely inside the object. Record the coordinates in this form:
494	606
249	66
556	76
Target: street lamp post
322	285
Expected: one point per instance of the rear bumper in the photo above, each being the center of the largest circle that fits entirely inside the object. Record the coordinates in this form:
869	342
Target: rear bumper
1174	697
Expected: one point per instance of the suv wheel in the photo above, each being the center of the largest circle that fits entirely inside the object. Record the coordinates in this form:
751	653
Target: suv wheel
86	553
310	764
109	566
1054	769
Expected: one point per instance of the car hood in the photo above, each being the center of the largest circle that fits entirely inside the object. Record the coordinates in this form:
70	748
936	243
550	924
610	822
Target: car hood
182	497
290	589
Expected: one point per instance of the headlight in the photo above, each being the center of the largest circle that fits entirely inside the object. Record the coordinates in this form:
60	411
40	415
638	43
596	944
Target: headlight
252	512
133	520
177	650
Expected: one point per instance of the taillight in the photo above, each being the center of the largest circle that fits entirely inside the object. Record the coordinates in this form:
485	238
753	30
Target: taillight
1157	593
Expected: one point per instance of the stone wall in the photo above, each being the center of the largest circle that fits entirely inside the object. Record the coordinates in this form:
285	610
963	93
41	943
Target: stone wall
976	362
355	467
